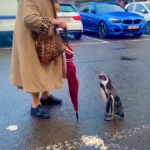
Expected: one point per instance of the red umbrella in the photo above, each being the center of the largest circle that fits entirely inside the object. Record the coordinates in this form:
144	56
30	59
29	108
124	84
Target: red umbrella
72	77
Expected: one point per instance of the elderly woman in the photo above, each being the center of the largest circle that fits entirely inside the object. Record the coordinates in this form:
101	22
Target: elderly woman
26	70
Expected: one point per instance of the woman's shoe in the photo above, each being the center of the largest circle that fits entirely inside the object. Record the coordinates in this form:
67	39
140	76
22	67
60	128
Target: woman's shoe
51	100
39	112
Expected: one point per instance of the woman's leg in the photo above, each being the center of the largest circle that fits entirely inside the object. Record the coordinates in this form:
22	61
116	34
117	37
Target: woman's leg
48	99
35	99
36	109
45	94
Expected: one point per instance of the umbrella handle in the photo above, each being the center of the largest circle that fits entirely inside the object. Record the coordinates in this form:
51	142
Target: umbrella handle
64	36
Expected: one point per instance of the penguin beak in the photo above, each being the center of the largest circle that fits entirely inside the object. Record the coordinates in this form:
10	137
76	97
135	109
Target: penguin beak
97	72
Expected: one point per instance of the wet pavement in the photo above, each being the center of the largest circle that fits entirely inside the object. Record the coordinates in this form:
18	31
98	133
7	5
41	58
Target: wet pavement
126	60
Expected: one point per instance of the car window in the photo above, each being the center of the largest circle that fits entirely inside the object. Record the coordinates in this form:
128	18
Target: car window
84	8
139	8
91	7
148	5
66	8
109	8
130	7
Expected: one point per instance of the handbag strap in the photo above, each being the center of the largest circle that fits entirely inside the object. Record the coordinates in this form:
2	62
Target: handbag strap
65	36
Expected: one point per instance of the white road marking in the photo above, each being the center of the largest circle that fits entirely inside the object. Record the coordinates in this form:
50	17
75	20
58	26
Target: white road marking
99	41
107	42
104	41
131	40
95	39
84	141
87	43
129	133
7	48
95	142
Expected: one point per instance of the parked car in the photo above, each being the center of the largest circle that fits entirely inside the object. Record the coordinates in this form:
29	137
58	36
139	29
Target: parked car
108	18
69	13
8	17
8	9
141	8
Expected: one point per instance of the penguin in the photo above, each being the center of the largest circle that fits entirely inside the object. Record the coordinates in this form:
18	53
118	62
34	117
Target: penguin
111	98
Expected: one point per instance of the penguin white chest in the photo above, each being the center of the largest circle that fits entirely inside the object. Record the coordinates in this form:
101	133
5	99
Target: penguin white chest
103	95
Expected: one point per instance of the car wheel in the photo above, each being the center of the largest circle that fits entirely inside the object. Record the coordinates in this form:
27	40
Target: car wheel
77	36
102	30
137	34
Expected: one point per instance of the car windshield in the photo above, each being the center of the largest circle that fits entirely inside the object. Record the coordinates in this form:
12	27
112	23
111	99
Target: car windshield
109	8
66	8
148	5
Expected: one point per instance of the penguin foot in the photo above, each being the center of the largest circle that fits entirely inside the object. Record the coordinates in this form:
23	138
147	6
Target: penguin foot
120	114
108	117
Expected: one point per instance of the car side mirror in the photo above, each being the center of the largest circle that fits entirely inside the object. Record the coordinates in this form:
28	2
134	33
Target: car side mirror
93	11
143	11
86	10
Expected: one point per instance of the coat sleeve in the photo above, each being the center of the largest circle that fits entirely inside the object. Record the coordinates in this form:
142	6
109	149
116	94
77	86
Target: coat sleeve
33	19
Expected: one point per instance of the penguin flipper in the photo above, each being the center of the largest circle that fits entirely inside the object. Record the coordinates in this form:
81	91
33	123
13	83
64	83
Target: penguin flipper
103	95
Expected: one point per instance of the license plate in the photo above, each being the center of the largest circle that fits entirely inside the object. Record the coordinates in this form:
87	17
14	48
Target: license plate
133	27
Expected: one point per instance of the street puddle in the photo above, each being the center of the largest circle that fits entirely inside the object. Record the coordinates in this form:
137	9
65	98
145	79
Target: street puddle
125	58
118	48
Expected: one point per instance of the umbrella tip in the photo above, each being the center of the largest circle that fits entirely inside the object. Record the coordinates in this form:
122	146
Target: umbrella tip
77	115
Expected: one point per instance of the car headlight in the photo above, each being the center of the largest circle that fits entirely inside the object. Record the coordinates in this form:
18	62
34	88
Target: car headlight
115	20
143	20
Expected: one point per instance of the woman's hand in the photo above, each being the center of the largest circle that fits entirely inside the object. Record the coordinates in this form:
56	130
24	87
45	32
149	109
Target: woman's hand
60	22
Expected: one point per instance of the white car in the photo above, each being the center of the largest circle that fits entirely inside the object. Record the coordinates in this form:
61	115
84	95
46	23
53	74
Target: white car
8	10
68	12
141	8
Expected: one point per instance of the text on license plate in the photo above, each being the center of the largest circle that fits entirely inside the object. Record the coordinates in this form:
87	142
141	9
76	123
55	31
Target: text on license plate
133	27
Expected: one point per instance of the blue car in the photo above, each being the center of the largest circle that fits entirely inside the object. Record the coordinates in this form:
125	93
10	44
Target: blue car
108	18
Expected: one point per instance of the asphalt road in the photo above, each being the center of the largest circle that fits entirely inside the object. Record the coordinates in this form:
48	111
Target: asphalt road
126	60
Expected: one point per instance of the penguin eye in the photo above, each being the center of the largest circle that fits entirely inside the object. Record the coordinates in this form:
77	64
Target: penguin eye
103	77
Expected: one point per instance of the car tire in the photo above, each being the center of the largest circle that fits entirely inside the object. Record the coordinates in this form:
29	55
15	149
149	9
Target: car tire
137	34
102	30
77	36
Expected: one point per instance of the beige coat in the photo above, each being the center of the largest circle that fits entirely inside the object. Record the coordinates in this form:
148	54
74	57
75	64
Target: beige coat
26	70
